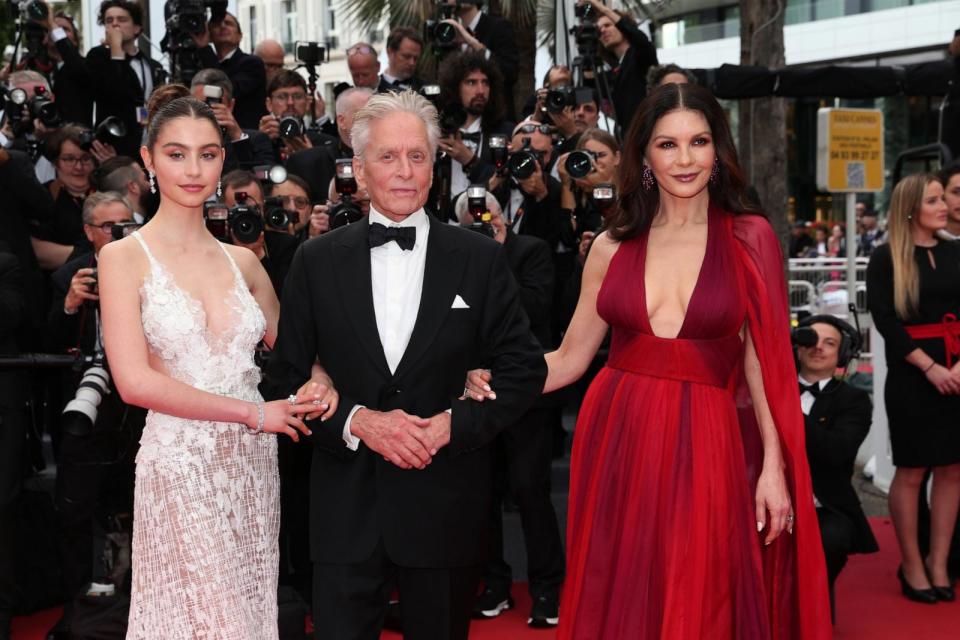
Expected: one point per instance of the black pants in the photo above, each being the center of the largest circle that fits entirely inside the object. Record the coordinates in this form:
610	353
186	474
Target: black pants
296	570
350	600
522	466
837	534
13	427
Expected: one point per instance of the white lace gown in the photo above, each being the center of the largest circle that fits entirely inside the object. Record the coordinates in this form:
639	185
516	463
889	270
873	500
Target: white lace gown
207	497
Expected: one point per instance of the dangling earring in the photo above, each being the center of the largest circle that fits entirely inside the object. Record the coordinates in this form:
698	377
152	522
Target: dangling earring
153	183
649	182
219	188
715	174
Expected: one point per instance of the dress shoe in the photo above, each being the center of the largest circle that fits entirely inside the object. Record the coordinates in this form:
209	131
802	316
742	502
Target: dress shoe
925	596
491	603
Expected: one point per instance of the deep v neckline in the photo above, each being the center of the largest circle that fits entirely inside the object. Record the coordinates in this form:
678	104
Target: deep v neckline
696	285
192	302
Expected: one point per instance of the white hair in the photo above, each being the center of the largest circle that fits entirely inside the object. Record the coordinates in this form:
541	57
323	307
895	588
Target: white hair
21	77
383	104
345	101
94	200
463	212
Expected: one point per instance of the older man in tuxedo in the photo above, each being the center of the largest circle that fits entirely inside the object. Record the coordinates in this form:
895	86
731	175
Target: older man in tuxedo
397	308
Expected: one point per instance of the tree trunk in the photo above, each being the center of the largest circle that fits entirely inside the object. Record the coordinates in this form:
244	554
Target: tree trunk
763	132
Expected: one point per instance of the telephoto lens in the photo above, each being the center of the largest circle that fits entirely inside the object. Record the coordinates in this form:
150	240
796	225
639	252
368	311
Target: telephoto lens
290	127
81	413
245	222
523	163
579	163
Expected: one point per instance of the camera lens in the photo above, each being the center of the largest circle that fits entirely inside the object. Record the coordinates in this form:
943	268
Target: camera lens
579	164
290	127
246	226
522	165
445	33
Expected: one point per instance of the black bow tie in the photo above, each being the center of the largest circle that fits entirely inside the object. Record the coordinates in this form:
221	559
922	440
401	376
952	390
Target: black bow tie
405	237
814	388
400	84
471	137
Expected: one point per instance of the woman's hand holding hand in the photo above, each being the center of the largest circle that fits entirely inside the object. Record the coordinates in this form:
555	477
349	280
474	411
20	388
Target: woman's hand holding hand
322	397
774	511
477	386
947	381
280	416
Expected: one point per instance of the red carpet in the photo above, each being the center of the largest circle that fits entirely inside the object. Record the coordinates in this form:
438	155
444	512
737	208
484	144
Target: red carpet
869	606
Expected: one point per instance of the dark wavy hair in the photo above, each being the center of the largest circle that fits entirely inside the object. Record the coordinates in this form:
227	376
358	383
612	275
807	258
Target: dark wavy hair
638	206
133	8
456	67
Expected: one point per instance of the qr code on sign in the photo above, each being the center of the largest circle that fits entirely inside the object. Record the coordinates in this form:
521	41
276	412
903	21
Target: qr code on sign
856	175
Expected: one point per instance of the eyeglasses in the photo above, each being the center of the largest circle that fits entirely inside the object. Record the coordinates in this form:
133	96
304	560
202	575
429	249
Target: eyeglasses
545	129
289	97
361	48
273	65
299	202
107	227
76	159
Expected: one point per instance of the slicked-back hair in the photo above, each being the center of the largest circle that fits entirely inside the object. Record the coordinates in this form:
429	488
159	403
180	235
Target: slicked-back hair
94	200
638	206
213	78
116	172
382	105
458	66
183	107
399	34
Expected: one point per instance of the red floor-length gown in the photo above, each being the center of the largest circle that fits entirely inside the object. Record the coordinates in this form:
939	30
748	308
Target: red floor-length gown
662	539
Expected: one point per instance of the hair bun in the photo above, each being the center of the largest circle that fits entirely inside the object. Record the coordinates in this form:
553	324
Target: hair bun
164	94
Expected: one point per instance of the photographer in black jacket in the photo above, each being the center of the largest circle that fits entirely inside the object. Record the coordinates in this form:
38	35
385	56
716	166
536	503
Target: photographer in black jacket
95	458
69	75
287	103
630	52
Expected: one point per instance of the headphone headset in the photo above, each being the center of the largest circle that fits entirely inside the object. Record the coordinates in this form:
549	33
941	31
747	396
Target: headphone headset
849	336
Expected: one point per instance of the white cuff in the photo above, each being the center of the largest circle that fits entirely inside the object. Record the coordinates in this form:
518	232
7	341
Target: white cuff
486	53
58	34
68	312
5	142
352	441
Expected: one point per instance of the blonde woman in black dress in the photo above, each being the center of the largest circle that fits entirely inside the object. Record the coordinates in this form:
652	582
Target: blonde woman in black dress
913	289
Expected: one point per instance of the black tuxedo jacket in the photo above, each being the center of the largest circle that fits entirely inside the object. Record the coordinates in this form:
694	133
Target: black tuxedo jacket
837	425
541	219
249	79
72	85
66	331
118	92
629	86
254	150
13	316
413	83
436	517
318	165
496	34
531	263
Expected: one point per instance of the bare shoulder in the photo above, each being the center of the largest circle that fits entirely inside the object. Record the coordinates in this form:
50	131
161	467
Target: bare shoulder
246	261
603	248
124	258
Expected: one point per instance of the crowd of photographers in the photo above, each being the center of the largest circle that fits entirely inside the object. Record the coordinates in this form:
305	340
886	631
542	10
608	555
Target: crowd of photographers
539	179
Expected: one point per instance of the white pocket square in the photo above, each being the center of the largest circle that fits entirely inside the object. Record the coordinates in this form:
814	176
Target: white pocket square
458	303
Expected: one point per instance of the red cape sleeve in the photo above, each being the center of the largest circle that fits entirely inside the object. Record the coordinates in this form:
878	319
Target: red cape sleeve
794	568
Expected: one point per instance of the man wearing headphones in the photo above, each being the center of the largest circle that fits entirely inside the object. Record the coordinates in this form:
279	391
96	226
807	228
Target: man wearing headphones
837	417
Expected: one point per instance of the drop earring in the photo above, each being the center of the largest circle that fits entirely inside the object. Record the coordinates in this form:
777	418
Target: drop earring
153	182
715	174
219	188
648	181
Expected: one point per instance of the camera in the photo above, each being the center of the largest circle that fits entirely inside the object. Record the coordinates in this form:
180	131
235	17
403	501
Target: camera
477	206
605	197
442	35
580	163
431	92
560	98
311	53
346	211
44	109
523	163
185	16
13	101
212	94
243	220
277	216
121	230
110	131
291	127
81	413
498	152
452	117
586	34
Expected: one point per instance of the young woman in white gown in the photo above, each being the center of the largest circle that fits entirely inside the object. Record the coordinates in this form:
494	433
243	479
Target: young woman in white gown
182	314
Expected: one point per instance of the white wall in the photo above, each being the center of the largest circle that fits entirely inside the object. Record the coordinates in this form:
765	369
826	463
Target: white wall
866	34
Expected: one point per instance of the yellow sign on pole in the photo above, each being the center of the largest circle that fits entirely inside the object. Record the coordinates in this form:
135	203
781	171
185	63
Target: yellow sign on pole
849	150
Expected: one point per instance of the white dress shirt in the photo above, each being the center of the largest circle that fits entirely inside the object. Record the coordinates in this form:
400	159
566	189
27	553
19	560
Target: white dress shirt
806	398
396	278
459	181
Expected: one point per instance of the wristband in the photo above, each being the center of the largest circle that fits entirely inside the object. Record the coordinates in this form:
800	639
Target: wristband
930	366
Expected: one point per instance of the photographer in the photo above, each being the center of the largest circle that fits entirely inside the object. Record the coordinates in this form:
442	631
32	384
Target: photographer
364	66
294	195
69	75
271	53
95	456
662	74
630	53
127	177
493	38
336	212
597	162
287	101
274	248
123	75
523	451
837	417
472	109
26	129
404	48
247	73
530	201
245	148
316	165
581	111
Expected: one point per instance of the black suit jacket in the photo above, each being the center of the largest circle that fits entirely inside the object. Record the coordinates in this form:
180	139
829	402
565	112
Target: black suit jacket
317	165
65	331
254	150
837	425
629	86
249	79
496	34
413	83
13	314
436	517
118	92
541	219
72	85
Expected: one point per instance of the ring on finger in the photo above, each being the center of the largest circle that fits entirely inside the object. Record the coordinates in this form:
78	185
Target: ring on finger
292	399
316	402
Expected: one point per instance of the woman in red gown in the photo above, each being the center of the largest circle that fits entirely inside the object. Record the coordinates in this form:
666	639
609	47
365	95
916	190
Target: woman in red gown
691	513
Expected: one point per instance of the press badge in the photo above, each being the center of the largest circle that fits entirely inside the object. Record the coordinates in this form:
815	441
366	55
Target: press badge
141	112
